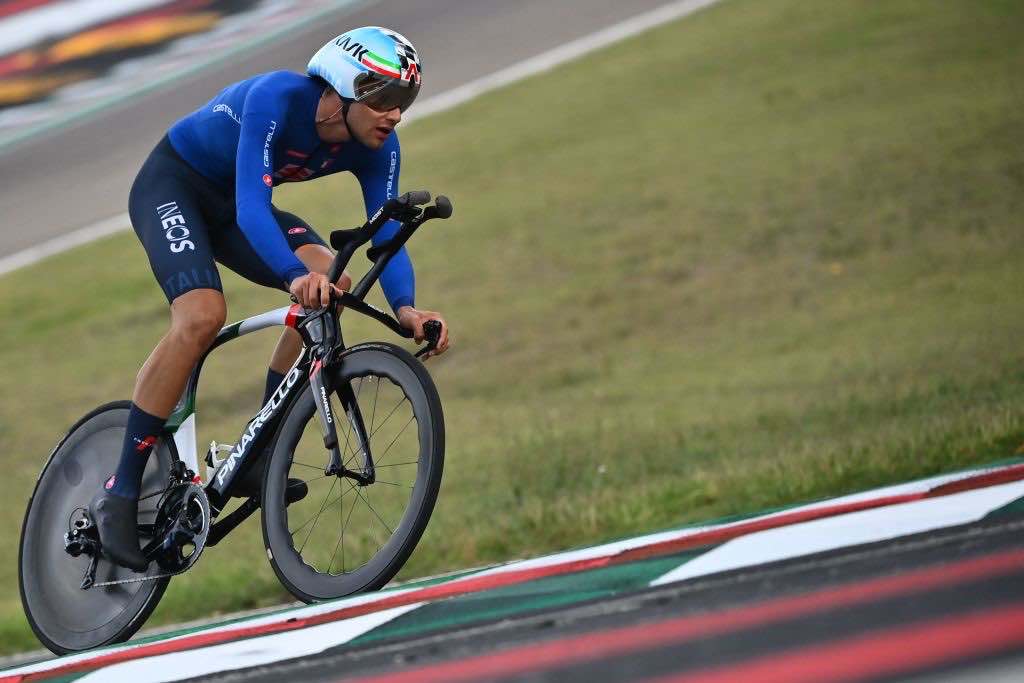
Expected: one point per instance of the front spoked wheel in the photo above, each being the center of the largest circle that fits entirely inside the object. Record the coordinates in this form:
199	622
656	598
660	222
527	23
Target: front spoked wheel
343	537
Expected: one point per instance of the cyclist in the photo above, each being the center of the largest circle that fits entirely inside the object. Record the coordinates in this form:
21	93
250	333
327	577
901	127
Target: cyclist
204	195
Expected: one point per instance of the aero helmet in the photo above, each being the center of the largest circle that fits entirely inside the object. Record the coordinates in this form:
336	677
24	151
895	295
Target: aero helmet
372	65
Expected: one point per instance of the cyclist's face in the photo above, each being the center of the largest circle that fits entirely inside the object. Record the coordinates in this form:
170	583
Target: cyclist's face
372	127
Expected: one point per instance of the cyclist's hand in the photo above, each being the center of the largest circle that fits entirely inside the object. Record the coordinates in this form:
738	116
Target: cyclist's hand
312	290
413	319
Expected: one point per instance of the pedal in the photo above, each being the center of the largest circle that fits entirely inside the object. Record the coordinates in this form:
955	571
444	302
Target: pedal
211	455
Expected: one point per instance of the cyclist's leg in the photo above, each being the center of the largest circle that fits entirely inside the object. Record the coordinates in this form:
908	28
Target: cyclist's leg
168	207
164	206
197	316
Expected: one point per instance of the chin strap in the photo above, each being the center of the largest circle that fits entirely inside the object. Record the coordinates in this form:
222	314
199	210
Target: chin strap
345	104
343	109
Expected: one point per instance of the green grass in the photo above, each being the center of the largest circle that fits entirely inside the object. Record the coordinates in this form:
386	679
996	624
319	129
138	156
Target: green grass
780	260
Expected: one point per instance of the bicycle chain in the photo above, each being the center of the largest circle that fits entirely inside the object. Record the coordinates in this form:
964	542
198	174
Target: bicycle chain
138	579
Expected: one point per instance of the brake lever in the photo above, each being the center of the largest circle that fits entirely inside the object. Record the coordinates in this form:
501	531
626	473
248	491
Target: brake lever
432	331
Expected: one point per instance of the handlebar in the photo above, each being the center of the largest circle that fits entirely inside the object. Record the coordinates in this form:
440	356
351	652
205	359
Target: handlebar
404	208
431	328
432	331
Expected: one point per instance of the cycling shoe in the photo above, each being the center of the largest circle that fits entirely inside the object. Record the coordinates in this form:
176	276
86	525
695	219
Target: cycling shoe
116	520
250	485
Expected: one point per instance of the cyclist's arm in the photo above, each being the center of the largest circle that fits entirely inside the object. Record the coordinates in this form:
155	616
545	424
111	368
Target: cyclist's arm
378	178
263	122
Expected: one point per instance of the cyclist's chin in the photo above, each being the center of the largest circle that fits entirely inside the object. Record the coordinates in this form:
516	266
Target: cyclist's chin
370	139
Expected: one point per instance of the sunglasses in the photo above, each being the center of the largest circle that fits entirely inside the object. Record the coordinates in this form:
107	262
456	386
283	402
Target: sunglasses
384	94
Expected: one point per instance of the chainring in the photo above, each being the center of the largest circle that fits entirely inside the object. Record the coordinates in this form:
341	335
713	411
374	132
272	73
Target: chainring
182	525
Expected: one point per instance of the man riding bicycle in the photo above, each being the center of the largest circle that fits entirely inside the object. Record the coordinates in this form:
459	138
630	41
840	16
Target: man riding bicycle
204	196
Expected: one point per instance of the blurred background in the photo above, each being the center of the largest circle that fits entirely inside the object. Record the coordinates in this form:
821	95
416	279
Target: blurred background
762	252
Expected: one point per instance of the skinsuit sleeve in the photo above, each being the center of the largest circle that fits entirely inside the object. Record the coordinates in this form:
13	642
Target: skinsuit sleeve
378	177
263	120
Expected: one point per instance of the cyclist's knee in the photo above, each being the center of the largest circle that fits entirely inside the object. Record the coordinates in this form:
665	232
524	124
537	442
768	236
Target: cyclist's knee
197	317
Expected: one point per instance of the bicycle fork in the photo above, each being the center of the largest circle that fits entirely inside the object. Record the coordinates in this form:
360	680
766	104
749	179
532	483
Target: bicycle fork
319	385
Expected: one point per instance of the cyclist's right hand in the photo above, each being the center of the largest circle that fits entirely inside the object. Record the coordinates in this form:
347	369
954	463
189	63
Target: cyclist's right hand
312	290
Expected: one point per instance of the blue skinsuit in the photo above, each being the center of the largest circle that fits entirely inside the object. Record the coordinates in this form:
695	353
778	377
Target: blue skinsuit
256	134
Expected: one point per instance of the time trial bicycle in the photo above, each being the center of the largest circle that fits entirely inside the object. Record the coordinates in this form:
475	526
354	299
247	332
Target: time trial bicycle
351	445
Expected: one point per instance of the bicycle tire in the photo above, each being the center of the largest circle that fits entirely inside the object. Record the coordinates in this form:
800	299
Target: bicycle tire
296	573
64	617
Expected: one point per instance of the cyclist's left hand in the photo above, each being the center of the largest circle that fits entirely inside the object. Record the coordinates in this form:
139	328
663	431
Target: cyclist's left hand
413	319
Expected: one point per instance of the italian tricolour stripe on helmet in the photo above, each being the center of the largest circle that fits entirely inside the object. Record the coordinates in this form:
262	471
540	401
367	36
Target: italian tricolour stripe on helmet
369	50
382	65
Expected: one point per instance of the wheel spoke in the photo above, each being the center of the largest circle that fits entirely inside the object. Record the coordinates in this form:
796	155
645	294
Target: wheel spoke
360	494
391	483
384	422
373	412
343	528
401	431
350	453
312	479
312	467
323	506
374	432
348	434
303	525
341	513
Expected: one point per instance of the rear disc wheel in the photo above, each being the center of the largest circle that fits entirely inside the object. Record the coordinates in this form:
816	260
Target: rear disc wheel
63	616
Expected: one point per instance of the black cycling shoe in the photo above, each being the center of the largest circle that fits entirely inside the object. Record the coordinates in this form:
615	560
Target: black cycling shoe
116	520
250	485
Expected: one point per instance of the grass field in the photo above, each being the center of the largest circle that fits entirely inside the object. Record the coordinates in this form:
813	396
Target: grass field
768	253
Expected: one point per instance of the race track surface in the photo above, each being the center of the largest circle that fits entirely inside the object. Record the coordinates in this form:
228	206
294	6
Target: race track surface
929	605
77	175
919	581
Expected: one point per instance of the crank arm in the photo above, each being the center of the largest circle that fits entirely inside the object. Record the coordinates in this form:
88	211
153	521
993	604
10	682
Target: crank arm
153	547
221	529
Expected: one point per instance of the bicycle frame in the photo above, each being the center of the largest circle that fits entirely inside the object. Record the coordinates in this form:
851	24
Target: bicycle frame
321	345
182	421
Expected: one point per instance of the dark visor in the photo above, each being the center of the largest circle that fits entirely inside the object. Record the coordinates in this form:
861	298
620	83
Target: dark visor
384	94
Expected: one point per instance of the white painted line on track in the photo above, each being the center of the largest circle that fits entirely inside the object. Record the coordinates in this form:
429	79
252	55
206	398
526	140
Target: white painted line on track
301	612
616	547
557	56
432	105
85	235
845	531
243	654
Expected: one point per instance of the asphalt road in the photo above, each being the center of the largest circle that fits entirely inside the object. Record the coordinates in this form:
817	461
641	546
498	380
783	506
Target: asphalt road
941	606
78	175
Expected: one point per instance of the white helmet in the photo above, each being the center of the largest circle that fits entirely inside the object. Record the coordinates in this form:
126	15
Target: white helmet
372	65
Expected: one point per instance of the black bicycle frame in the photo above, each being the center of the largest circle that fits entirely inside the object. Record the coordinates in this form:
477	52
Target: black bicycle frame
323	346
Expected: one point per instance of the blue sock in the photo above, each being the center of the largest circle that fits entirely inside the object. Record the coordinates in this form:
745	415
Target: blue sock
274	380
140	437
